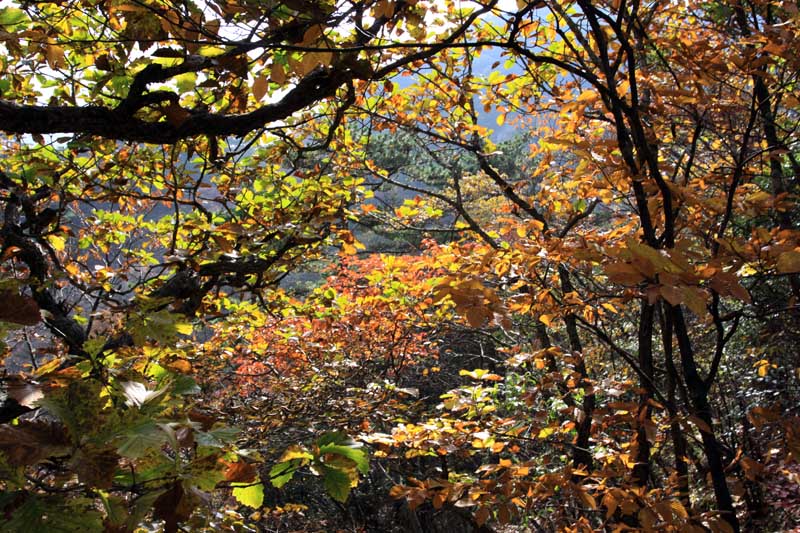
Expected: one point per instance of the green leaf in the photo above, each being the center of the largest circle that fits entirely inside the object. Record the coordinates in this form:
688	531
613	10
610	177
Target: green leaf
203	478
282	473
252	495
160	326
11	15
335	437
95	345
50	514
115	508
185	385
217	437
141	438
337	483
354	453
142	507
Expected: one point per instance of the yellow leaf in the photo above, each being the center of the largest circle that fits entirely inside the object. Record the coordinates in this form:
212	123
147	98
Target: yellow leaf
609	307
501	119
57	242
587	96
763	367
184	328
295	452
546	319
546	432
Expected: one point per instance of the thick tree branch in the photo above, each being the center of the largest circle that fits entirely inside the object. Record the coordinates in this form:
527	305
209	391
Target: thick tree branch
117	124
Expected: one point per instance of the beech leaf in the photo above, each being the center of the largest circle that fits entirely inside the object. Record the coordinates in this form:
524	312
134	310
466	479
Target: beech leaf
250	495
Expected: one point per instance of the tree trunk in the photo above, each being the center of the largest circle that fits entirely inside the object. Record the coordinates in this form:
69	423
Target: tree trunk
701	408
641	470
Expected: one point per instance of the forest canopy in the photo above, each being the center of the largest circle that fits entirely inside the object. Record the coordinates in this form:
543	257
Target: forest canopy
399	265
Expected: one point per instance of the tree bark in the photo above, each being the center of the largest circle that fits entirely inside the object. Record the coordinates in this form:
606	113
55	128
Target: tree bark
701	408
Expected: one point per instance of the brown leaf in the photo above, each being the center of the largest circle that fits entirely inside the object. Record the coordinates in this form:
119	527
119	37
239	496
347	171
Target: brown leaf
439	500
277	74
10	252
176	115
789	262
695	299
240	472
260	86
504	514
586	498
185	437
205	420
752	469
476	316
96	468
30	442
671	294
212	26
173	506
610	503
481	516
623	274
18	309
55	56
311	35
700	423
102	62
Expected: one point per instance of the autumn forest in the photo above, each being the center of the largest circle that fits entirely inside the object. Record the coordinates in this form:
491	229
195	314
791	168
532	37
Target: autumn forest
405	266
